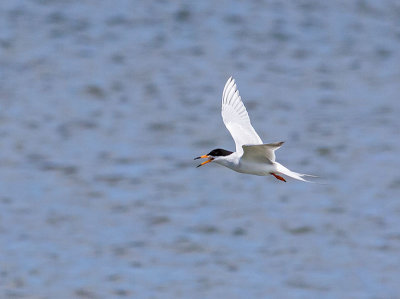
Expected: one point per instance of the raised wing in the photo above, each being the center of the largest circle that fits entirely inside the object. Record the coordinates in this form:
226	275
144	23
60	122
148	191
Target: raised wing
236	118
261	153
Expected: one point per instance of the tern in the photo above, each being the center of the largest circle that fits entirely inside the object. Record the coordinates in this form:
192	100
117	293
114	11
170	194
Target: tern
252	156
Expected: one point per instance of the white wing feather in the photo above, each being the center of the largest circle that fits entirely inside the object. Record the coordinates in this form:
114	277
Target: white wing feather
236	118
261	153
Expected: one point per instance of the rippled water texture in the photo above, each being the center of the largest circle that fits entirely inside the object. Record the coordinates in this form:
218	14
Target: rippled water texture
104	104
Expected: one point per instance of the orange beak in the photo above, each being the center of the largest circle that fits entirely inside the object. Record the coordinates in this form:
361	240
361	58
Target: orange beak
204	157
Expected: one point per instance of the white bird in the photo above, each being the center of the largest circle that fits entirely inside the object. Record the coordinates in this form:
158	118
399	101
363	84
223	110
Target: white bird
251	156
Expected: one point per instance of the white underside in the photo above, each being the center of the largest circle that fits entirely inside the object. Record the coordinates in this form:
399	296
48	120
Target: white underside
237	163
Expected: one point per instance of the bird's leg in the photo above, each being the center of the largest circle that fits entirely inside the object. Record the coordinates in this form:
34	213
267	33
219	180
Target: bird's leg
278	177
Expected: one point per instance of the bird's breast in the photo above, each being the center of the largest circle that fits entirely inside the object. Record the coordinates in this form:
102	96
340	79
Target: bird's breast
254	168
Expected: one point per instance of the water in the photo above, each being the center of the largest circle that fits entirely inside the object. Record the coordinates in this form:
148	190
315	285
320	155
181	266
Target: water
104	104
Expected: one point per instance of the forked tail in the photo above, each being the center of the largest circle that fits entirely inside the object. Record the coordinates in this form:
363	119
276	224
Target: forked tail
298	176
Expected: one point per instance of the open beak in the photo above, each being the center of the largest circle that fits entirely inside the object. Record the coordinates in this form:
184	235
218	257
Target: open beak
204	157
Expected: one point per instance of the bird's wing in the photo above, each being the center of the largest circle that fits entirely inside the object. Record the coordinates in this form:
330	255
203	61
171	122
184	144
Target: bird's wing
236	118
261	152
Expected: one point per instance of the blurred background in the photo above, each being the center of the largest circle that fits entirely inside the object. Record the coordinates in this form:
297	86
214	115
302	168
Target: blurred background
104	104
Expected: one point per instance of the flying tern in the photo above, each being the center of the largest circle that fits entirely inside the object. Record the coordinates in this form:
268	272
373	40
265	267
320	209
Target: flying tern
252	156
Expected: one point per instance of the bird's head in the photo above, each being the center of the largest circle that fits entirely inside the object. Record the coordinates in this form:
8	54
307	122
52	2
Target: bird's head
214	155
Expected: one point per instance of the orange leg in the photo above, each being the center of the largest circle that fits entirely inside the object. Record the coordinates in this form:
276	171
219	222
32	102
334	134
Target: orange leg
278	177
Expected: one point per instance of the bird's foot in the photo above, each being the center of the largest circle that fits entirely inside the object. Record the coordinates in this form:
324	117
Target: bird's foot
278	177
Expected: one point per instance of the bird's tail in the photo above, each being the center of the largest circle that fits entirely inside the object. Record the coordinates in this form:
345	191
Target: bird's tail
298	176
